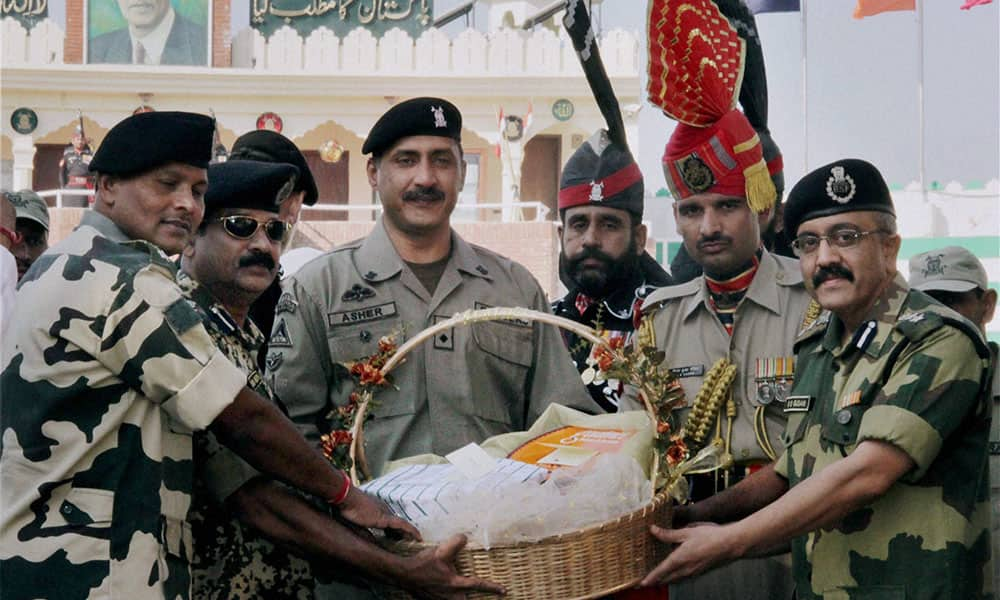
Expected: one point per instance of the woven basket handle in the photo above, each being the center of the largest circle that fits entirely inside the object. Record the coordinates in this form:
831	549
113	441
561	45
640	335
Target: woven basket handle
357	452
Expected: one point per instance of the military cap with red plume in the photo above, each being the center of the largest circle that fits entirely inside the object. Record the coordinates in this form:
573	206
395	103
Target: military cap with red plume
696	62
602	170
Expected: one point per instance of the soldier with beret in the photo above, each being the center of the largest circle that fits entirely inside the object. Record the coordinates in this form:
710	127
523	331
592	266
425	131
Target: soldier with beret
112	371
602	262
410	272
32	227
883	487
237	513
270	146
746	308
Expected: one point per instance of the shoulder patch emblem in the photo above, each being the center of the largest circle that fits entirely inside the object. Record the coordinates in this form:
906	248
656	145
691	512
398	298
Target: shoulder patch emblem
280	337
286	304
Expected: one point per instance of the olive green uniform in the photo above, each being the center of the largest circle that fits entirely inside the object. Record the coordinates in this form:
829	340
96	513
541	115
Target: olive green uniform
913	377
232	561
766	323
111	373
465	385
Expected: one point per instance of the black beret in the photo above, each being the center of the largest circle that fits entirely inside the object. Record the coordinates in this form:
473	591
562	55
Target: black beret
270	146
846	185
249	184
417	116
602	173
147	140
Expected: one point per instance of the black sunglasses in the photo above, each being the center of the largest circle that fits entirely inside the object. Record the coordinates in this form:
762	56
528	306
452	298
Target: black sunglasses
243	227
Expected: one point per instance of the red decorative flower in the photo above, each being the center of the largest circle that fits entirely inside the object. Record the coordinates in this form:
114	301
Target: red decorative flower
677	451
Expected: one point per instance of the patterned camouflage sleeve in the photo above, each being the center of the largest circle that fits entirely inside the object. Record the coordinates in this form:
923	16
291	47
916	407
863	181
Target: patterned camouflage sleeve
147	335
298	359
933	387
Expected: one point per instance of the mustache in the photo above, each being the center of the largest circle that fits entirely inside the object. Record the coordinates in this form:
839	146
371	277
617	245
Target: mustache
257	258
588	253
714	239
423	193
831	272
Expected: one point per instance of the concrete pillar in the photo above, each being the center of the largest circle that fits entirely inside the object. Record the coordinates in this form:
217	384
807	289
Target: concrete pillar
24	161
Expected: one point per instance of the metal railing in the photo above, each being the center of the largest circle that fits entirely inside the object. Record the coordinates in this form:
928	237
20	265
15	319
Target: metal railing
59	193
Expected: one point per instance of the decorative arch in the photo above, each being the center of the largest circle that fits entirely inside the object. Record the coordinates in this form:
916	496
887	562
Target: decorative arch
63	135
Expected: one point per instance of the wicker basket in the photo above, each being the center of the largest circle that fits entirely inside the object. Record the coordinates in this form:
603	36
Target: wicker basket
590	563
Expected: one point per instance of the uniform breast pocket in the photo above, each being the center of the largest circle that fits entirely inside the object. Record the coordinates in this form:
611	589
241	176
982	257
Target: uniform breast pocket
841	427
498	370
511	343
359	343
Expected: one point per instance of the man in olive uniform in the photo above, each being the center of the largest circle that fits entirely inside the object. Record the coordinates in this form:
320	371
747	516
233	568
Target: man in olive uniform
237	514
883	488
603	262
956	278
111	372
412	271
745	309
74	169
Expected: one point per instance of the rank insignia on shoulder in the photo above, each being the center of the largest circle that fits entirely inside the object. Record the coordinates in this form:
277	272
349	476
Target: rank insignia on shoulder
286	304
913	317
280	337
357	293
274	360
798	403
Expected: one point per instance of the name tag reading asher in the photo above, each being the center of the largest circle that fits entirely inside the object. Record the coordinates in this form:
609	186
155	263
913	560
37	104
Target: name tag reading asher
362	315
798	403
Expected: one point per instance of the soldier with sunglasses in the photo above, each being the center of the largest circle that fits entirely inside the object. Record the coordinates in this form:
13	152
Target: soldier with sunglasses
112	371
252	534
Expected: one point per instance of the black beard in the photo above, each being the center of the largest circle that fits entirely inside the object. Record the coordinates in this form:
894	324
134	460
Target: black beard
600	283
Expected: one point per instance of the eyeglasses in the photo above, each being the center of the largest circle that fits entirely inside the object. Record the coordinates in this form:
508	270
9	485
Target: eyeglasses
243	227
808	243
14	237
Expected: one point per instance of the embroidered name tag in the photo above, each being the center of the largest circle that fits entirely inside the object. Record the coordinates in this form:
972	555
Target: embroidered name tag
689	371
362	315
798	403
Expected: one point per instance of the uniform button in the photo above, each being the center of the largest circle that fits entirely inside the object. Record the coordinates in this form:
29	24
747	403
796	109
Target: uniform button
844	417
482	269
67	509
744	453
370	275
365	335
780	276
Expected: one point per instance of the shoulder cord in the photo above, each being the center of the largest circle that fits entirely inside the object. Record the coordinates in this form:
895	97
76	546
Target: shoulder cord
707	405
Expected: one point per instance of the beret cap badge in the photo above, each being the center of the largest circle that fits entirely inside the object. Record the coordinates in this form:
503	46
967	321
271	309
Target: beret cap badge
840	186
439	120
696	174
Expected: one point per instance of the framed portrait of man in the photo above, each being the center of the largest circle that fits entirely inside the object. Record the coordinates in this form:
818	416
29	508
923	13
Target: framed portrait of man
148	32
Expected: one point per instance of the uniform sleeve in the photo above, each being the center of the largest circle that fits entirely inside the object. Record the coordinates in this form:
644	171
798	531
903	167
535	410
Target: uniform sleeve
153	340
553	378
298	359
222	472
932	389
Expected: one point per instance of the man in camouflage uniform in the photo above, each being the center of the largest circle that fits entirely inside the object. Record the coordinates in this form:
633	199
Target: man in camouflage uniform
602	262
883	485
237	514
111	372
956	278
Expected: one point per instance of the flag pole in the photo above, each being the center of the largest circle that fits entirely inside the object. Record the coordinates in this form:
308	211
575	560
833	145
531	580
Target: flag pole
920	99
805	86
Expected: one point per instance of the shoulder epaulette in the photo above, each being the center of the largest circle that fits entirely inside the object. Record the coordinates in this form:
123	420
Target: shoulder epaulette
919	324
156	256
661	296
815	328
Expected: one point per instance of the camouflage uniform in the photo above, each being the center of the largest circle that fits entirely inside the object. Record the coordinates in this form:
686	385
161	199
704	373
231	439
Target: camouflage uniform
111	373
231	560
914	380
